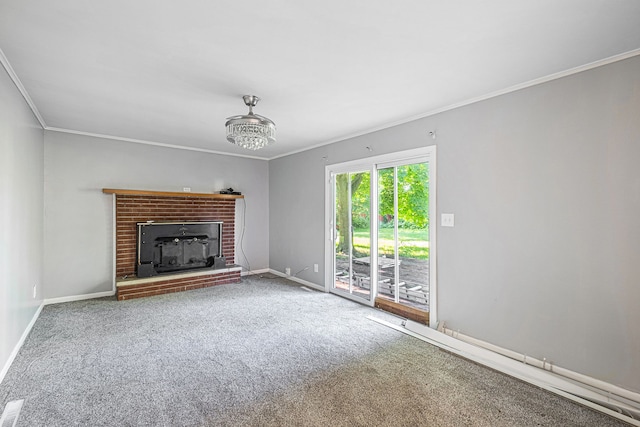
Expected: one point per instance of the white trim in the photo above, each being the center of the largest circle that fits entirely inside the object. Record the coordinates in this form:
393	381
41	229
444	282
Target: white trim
404	161
146	142
396	219
298	280
253	272
20	342
59	300
365	163
606	388
530	83
373	232
11	413
433	243
329	217
528	373
16	81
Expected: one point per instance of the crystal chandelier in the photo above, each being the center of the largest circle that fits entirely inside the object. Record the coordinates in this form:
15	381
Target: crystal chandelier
250	131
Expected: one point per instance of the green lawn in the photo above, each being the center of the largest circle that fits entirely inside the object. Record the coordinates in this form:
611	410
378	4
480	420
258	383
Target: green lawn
413	243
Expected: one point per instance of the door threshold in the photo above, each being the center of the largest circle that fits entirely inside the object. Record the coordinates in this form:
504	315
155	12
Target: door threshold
410	313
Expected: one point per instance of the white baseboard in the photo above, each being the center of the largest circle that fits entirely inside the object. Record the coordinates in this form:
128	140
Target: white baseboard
78	297
252	272
530	374
20	342
298	280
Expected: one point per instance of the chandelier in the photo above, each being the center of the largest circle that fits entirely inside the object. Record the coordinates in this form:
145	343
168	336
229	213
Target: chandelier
250	131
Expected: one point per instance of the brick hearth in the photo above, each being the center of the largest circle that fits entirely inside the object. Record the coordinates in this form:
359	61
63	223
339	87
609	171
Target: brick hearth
134	206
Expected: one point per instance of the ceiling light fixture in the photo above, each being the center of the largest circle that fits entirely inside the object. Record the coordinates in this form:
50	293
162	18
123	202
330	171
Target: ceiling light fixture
250	131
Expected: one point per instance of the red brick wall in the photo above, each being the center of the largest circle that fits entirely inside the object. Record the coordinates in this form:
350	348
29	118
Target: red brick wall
131	210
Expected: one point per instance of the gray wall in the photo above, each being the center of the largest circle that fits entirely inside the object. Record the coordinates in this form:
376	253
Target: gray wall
21	215
79	217
545	187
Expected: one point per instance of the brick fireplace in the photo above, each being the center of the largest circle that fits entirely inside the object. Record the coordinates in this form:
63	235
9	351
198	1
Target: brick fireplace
136	206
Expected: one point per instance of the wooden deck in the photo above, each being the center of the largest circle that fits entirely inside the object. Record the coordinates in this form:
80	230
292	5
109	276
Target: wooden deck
413	290
410	295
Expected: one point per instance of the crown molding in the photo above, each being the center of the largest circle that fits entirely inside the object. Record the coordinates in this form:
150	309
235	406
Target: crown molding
534	82
16	81
530	83
145	142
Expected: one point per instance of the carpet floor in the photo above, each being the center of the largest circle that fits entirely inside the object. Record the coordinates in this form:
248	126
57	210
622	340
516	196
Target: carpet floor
263	352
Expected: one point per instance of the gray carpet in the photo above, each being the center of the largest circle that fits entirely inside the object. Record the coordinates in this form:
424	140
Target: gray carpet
257	353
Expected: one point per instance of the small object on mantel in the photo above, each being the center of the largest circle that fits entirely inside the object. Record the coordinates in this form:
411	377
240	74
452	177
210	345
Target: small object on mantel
230	191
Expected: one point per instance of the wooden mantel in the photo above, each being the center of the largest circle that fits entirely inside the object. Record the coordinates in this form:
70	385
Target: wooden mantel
121	192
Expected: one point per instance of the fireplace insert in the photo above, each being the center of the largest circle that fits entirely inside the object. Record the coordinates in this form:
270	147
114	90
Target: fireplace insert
165	247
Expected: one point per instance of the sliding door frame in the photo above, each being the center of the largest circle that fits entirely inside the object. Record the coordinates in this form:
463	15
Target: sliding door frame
330	214
372	164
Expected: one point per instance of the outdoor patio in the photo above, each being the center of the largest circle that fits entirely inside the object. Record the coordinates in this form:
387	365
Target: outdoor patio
414	279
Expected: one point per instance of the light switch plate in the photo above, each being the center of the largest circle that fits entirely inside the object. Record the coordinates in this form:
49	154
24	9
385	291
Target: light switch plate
447	220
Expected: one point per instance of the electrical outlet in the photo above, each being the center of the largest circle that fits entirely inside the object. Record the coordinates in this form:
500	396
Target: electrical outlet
35	290
186	189
287	271
315	268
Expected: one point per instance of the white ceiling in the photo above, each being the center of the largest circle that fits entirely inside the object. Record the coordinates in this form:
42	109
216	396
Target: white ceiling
171	72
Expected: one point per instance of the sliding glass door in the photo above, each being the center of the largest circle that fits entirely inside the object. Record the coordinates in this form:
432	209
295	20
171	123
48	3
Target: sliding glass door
380	239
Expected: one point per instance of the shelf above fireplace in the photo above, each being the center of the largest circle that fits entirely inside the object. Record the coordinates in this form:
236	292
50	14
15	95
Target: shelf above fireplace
122	192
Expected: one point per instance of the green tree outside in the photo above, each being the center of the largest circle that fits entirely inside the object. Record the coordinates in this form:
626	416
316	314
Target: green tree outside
413	208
